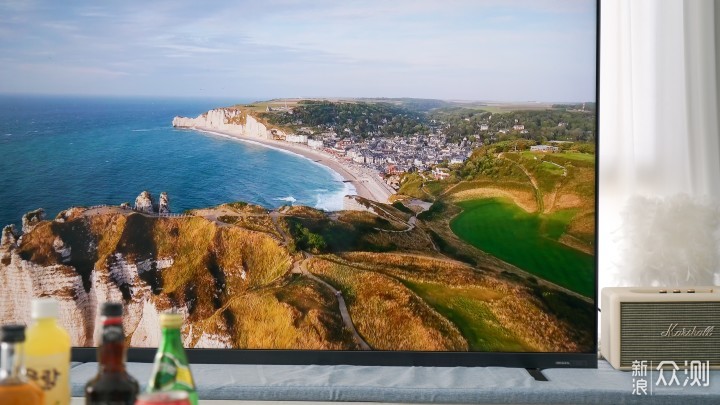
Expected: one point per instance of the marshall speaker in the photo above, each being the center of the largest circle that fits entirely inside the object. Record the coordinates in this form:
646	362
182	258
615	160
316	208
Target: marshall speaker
654	324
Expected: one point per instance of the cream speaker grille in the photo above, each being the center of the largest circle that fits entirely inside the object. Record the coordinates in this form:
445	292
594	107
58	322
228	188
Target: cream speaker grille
655	325
677	331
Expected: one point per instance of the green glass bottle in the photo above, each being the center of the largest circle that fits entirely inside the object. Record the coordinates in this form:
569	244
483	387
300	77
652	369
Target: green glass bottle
171	370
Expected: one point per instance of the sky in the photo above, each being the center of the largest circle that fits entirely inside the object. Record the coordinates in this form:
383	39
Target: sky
494	50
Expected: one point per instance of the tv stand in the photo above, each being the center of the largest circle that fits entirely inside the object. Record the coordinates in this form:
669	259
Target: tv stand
537	374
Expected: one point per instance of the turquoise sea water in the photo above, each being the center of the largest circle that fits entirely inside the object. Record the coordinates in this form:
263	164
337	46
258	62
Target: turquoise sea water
58	152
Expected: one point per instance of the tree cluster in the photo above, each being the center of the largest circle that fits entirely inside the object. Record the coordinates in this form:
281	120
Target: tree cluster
357	119
538	125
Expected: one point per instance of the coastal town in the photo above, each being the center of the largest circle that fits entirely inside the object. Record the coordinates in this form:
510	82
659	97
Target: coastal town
372	145
390	157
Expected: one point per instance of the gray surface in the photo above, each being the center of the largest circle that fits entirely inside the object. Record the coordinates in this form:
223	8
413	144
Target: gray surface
417	384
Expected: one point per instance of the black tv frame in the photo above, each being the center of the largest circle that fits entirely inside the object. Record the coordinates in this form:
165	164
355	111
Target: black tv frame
527	360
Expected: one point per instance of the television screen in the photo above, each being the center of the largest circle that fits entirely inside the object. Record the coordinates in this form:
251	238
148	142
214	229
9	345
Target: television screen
406	182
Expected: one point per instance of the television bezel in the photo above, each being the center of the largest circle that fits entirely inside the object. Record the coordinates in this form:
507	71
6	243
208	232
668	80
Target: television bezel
529	360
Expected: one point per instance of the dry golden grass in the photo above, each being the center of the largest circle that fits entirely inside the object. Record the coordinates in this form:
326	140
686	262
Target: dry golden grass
252	223
413	241
37	245
258	320
541	331
367	219
317	307
387	314
524	197
304	212
413	267
262	257
234	279
566	201
513	307
187	242
244	208
109	229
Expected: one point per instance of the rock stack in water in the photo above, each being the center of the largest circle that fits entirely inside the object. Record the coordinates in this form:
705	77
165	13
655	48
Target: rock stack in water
9	236
164	205
144	203
31	219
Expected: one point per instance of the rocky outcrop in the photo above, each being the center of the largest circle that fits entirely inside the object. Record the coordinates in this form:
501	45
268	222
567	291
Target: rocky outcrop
230	120
144	203
164	204
62	249
106	255
9	236
69	214
31	219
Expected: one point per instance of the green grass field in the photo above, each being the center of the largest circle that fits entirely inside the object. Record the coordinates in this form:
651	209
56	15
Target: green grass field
583	157
528	241
466	308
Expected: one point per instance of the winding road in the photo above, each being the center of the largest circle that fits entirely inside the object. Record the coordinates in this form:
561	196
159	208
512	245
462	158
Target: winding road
300	266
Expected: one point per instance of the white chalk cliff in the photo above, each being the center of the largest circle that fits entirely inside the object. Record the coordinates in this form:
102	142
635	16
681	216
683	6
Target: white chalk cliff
79	307
63	272
231	120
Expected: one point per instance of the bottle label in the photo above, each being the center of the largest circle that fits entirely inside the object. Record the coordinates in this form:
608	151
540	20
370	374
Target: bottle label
171	373
50	373
113	333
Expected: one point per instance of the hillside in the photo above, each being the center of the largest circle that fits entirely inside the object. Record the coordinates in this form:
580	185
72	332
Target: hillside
248	278
534	210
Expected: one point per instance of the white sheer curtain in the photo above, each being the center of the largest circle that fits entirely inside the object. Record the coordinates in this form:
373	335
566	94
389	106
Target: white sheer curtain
658	113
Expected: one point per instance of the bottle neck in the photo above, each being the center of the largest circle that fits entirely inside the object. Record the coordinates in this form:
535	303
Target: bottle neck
111	353
11	361
45	321
171	336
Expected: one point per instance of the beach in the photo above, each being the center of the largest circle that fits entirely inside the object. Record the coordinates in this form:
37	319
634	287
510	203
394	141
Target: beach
367	183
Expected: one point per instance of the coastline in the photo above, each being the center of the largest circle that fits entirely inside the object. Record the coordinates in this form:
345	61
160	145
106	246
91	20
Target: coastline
367	184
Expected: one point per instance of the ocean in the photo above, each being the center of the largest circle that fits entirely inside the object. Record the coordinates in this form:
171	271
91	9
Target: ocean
59	152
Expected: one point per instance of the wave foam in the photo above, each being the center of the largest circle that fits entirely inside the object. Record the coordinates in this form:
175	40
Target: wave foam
289	199
334	201
327	201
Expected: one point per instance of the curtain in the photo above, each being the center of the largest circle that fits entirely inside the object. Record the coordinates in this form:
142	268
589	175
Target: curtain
658	134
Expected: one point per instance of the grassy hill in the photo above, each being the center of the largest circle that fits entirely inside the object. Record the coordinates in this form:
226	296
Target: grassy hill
535	211
262	279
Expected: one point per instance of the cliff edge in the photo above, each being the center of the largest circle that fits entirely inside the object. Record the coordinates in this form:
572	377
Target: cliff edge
231	120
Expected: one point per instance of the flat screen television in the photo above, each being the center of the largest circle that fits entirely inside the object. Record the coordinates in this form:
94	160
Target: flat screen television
403	183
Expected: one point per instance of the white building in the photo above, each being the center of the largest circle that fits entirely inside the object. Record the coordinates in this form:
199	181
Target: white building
440	173
315	144
297	138
544	148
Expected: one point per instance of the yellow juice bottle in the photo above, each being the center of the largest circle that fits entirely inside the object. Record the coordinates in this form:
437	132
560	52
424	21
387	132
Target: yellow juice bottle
47	352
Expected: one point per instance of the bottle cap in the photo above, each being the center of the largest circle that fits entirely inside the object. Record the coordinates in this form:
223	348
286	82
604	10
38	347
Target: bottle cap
171	320
44	308
13	333
111	309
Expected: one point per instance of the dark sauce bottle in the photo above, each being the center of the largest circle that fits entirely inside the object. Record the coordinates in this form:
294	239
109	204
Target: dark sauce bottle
112	385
